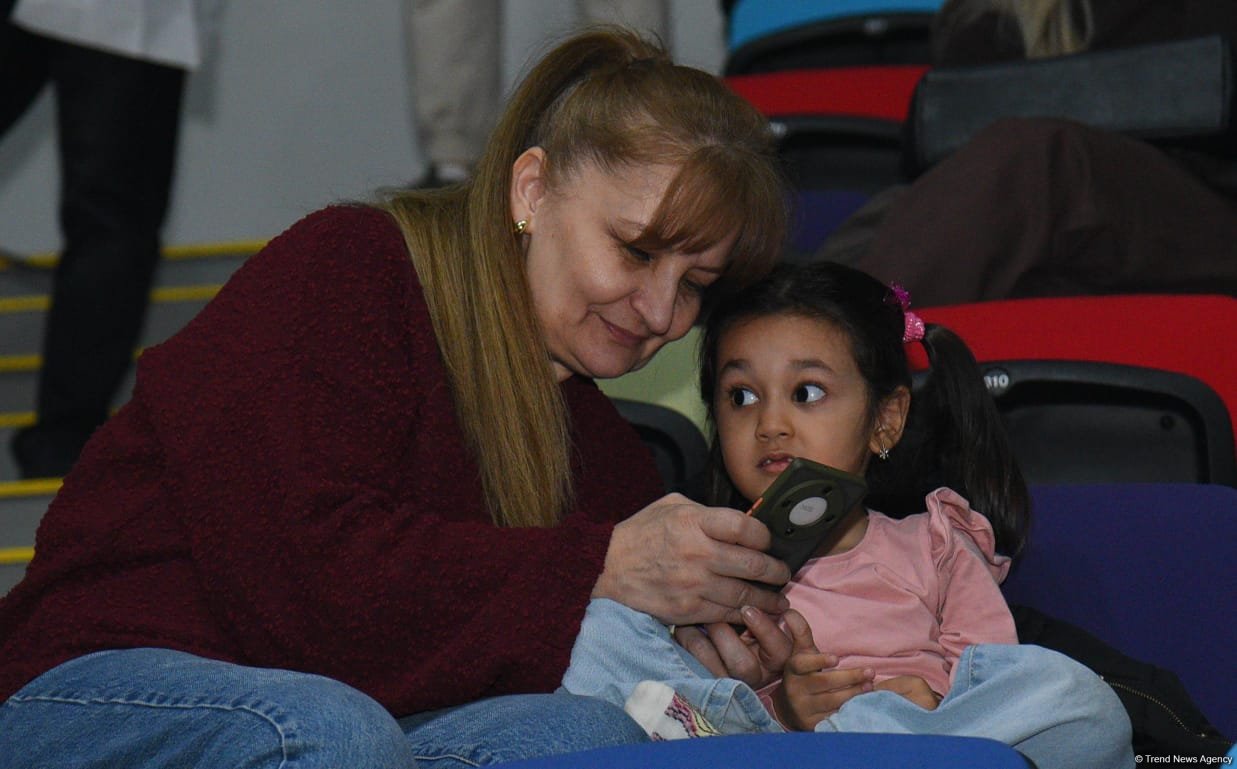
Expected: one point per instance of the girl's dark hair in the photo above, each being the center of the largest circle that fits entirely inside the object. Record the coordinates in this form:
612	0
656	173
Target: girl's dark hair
953	435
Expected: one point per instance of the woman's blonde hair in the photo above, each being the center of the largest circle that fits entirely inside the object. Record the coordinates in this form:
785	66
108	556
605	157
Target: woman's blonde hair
605	96
1046	27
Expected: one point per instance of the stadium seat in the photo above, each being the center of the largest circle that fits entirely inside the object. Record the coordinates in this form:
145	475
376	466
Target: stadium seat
1147	568
1110	388
800	751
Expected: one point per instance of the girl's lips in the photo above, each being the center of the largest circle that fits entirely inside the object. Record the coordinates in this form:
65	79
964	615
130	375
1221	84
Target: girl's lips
774	465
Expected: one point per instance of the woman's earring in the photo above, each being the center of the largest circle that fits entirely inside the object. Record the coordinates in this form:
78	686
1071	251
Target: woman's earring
883	453
520	226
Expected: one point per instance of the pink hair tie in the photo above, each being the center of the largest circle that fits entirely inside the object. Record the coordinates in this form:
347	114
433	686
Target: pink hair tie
914	329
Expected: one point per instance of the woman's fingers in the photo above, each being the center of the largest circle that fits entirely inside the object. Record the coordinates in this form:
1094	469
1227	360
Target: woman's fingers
700	645
731	595
685	563
739	656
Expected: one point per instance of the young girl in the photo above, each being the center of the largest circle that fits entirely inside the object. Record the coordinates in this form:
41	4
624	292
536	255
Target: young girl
812	362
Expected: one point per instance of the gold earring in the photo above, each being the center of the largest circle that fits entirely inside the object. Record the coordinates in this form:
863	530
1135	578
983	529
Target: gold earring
520	226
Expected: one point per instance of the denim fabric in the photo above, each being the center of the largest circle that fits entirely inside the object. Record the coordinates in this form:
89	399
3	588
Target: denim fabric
517	727
617	648
158	708
1045	705
1050	708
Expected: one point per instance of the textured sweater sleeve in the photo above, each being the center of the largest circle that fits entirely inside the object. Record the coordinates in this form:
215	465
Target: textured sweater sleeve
330	509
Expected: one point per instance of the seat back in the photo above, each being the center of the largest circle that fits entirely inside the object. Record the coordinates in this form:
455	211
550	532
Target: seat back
772	35
1137	408
679	450
1147	568
838	128
1080	421
835	78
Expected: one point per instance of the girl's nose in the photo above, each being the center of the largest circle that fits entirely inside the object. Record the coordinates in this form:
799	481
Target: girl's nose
773	423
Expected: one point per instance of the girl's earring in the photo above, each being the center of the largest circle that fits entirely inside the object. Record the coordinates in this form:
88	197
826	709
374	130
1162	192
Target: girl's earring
883	453
520	226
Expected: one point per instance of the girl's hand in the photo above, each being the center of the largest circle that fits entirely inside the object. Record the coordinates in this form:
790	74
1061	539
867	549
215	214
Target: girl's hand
756	656
811	690
686	564
914	689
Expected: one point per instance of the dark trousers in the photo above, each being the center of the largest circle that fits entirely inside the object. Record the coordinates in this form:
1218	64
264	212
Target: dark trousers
117	120
1040	207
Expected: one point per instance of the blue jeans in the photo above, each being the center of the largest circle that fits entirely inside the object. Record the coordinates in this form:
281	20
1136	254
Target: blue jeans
157	708
1050	708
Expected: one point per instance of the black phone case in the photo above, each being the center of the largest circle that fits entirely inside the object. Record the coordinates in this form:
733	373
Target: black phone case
803	505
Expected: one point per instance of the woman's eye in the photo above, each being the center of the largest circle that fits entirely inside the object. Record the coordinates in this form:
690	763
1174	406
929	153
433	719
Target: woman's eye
809	393
690	289
741	396
639	254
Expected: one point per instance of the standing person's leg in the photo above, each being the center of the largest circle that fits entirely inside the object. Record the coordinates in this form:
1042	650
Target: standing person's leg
1053	710
455	55
162	709
641	15
1042	207
118	120
23	60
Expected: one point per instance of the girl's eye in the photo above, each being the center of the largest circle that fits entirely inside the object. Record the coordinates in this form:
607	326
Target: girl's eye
741	396
808	393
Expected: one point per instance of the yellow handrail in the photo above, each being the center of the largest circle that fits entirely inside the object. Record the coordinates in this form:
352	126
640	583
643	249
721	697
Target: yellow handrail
48	260
161	295
16	555
32	488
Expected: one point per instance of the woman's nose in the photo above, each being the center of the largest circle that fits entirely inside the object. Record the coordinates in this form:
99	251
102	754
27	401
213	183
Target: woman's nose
655	302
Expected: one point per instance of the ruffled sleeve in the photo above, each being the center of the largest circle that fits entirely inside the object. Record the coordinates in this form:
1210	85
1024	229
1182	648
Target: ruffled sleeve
950	517
971	608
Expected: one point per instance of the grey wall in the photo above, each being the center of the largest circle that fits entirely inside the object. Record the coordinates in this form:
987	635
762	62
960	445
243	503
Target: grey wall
304	102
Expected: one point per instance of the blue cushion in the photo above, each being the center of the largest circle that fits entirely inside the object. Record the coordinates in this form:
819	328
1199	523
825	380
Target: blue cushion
1148	568
795	751
753	19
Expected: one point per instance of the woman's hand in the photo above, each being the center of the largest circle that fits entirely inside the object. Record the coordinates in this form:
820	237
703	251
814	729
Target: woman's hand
686	564
756	656
914	689
812	689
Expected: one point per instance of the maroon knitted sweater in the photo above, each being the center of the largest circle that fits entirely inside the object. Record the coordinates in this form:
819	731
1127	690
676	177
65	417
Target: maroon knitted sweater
289	488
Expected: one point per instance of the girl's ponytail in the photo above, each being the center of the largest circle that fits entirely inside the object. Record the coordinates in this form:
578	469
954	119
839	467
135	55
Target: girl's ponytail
954	437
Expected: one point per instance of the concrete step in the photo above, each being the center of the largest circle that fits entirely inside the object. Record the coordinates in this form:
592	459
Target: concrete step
22	318
22	504
187	278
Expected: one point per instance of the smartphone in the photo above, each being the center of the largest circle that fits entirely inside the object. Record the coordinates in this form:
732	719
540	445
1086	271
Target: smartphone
803	505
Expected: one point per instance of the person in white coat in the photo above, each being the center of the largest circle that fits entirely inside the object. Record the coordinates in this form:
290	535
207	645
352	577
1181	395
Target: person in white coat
117	69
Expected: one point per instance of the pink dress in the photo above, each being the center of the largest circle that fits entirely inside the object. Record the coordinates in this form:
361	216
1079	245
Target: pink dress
910	596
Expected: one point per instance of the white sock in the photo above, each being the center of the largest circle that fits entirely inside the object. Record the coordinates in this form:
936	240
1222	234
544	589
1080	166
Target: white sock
665	714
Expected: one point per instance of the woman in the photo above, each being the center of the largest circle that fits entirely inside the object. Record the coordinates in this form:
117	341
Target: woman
349	504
